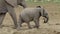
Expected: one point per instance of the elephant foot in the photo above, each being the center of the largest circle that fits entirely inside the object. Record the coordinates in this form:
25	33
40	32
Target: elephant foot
30	27
14	27
36	27
18	29
20	25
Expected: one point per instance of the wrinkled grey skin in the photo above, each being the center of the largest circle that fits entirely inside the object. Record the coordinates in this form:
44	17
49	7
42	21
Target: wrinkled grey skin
32	14
8	6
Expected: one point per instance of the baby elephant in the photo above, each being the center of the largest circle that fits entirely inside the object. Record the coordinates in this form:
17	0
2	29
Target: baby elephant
32	14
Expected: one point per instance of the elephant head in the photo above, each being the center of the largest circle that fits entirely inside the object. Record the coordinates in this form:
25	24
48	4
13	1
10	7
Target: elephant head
46	18
43	13
16	2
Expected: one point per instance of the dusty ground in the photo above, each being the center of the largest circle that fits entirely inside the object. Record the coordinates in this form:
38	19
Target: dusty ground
52	27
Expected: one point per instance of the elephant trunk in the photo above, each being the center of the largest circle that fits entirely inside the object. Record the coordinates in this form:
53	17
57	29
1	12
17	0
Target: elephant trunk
45	15
46	18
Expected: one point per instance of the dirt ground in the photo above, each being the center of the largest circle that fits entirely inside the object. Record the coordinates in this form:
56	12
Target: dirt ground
52	27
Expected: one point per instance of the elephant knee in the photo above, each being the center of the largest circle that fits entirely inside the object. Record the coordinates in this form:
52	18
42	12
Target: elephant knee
36	23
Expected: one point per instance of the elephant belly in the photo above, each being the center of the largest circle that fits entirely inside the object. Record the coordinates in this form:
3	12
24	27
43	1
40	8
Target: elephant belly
26	18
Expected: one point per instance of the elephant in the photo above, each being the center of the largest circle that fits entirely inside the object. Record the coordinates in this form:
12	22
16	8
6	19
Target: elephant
8	6
32	14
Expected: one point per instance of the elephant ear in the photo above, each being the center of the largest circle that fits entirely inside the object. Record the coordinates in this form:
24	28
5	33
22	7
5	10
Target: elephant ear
12	2
42	11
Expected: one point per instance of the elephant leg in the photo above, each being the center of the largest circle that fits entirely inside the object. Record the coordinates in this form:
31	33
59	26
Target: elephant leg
36	23
12	14
29	25
2	18
19	23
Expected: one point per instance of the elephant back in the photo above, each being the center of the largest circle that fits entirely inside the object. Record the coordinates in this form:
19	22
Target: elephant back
12	2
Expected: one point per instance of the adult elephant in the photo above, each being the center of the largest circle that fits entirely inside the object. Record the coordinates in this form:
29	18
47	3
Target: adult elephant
8	6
